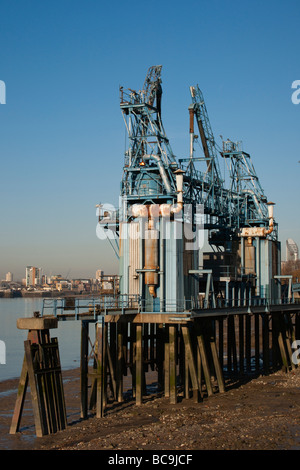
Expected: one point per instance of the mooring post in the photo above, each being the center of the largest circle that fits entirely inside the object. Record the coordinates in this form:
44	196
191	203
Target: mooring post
265	341
190	366
139	365
203	354
100	370
172	364
215	357
241	344
161	340
120	360
256	339
248	342
152	345
297	326
166	364
84	369
23	383
42	372
280	333
221	341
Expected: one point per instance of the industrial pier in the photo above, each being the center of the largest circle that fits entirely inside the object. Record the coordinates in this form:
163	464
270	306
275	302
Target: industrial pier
201	293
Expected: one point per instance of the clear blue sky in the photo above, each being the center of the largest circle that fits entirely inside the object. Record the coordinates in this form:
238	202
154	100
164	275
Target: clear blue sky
62	133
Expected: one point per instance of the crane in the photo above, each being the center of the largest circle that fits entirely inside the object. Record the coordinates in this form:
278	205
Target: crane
156	190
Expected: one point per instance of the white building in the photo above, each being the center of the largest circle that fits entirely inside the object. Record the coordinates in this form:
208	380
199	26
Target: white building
9	277
291	250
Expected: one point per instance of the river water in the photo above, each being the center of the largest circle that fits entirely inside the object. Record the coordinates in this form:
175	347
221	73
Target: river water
12	339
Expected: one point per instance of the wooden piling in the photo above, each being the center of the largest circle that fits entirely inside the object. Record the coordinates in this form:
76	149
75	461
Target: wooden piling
84	369
139	365
187	355
172	364
42	372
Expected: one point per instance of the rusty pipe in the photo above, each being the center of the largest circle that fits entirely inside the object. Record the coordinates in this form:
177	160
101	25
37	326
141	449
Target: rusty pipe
176	208
151	259
271	218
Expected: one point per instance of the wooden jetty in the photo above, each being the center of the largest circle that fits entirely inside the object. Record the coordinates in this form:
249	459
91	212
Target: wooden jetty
192	353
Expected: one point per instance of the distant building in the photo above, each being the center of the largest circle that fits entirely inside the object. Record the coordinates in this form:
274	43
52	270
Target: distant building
291	250
9	277
33	276
63	284
99	274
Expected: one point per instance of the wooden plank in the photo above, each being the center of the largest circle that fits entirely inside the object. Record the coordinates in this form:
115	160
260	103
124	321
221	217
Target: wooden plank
221	341
62	413
234	351
171	318
265	341
204	360
139	365
216	362
44	385
162	337
276	357
104	366
41	369
241	344
190	364
280	341
290	337
40	428
84	370
146	346
248	342
257	339
111	366
218	369
22	388
100	371
229	345
172	364
152	345
166	365
120	359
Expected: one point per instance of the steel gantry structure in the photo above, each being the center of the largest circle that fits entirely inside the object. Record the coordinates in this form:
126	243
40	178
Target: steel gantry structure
162	196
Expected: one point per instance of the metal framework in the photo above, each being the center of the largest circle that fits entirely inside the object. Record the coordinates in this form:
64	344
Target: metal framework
150	165
234	214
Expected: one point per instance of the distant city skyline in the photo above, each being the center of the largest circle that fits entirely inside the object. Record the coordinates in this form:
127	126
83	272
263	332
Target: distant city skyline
11	277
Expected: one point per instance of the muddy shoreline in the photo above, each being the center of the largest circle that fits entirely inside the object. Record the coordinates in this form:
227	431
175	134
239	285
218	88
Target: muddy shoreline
260	414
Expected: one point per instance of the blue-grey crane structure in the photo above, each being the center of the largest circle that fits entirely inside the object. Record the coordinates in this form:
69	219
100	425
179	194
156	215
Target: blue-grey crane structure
163	199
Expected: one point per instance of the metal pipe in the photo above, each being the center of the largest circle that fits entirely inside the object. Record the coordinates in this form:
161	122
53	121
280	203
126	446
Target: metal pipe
254	197
179	185
162	170
151	260
191	111
271	218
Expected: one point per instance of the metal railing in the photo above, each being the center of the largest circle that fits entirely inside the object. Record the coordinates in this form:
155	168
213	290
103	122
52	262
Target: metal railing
95	305
102	305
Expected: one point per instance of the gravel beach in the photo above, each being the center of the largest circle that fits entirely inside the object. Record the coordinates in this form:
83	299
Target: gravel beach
258	414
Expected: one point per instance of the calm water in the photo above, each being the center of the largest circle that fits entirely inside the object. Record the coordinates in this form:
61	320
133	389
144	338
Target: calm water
68	334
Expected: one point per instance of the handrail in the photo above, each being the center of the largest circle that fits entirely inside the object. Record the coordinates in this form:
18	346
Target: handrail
100	305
